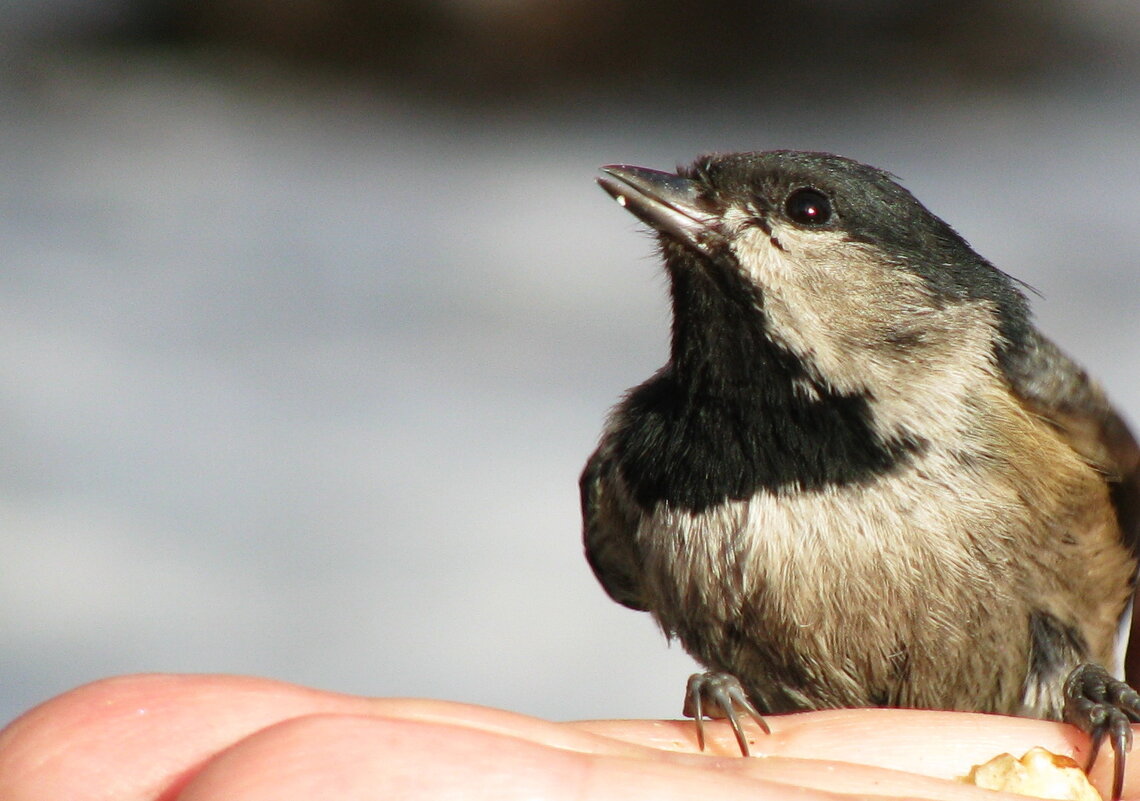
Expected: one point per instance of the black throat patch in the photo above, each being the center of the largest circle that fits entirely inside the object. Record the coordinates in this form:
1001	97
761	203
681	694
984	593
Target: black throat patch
729	415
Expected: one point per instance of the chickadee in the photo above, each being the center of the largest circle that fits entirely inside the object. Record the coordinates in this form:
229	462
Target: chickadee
863	478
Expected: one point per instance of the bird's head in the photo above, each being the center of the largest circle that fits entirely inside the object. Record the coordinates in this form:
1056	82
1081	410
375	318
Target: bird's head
830	260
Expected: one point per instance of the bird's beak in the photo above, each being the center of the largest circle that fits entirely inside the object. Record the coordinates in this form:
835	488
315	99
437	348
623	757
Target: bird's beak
670	203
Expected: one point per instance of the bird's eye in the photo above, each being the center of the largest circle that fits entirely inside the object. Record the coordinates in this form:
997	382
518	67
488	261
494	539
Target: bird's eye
808	207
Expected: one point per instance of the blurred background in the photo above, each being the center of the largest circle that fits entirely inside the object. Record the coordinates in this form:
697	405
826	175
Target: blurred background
311	312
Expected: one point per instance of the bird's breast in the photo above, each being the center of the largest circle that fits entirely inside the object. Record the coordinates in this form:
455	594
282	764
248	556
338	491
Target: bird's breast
851	595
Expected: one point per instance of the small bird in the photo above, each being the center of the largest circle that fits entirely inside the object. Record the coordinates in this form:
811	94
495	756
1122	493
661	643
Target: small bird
863	478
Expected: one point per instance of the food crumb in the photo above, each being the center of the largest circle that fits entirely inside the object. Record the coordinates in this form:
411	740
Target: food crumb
1038	773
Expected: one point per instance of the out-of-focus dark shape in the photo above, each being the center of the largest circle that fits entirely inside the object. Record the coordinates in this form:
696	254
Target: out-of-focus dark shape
502	47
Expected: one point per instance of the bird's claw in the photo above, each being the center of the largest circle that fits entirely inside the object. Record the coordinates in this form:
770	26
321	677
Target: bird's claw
720	695
1103	708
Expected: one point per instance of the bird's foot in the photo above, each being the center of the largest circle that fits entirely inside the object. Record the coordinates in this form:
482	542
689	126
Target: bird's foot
720	696
1102	707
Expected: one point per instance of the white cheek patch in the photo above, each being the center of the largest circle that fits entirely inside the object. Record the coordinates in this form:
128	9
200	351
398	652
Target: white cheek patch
833	304
815	303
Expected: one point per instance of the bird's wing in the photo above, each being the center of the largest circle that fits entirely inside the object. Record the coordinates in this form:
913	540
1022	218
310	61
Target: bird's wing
609	527
1054	387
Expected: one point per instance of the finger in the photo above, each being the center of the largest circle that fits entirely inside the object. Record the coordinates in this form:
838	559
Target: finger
942	744
381	758
140	732
143	732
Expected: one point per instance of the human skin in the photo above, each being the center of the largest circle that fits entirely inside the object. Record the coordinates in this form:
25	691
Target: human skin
206	738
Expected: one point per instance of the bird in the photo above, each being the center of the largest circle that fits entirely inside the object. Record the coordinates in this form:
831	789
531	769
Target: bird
863	477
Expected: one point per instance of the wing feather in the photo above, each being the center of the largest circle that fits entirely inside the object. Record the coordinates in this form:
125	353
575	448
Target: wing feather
1055	388
609	530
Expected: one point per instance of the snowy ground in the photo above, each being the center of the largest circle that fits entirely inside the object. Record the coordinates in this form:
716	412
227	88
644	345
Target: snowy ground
296	380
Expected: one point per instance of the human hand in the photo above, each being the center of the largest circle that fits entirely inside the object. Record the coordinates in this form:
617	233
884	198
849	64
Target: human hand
206	738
